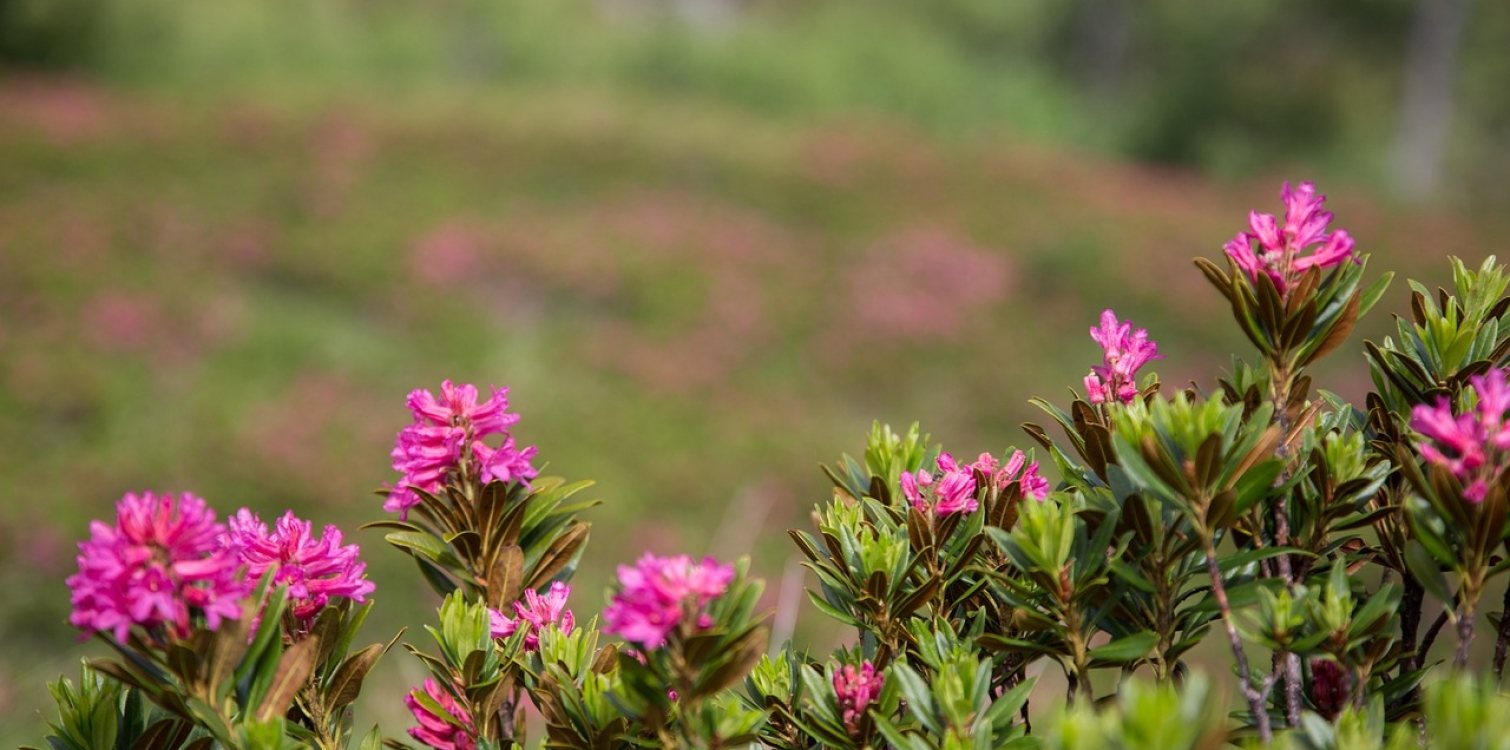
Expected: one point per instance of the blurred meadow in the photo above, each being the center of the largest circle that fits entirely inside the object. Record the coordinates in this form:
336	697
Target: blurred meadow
703	242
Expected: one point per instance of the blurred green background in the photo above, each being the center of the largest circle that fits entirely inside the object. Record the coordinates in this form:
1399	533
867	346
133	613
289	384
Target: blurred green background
703	242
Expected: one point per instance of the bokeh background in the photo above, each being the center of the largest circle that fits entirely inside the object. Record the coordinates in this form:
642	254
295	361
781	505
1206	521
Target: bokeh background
704	242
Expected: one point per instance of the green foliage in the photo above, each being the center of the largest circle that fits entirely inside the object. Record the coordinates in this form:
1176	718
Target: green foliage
495	540
1203	457
1143	717
571	681
322	712
1449	338
1464	712
955	709
1302	324
887	456
92	714
1061	587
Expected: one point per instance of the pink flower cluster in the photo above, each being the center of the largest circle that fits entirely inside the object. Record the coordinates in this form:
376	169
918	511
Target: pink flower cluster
448	430
443	723
1279	250
954	489
1124	351
953	492
857	689
1033	485
1474	446
314	569
158	565
660	593
534	614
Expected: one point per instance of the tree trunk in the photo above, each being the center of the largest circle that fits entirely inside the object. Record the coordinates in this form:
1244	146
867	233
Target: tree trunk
1426	101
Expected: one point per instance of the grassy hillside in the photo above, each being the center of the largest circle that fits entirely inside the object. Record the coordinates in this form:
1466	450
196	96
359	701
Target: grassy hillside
693	306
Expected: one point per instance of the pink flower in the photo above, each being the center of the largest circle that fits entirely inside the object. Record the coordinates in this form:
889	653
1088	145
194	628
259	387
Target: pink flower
313	569
536	612
1124	351
1279	251
443	723
447	430
1474	446
660	593
857	689
161	562
953	492
504	463
1033	485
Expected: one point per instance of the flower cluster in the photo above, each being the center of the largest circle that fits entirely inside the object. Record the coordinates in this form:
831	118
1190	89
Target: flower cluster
953	492
446	434
443	723
534	614
1124	351
1279	250
660	593
159	564
1033	485
314	569
857	689
1475	446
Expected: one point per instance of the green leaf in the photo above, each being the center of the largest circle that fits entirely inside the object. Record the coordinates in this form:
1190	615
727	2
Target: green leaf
1255	484
432	548
1013	700
1001	643
1238	597
831	610
1244	559
896	739
563	551
1131	575
1426	571
1374	292
1126	649
437	578
373	739
919	698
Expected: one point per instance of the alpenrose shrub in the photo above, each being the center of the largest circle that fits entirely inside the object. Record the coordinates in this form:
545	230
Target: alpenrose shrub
1325	545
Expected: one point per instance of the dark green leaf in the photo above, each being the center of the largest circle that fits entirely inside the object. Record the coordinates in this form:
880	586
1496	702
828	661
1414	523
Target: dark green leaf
1426	571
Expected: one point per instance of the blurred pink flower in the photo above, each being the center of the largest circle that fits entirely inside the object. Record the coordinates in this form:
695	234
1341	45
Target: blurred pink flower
857	689
1474	446
444	431
443	723
536	612
448	255
159	563
115	321
659	593
1124	351
922	285
1278	254
954	491
313	569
